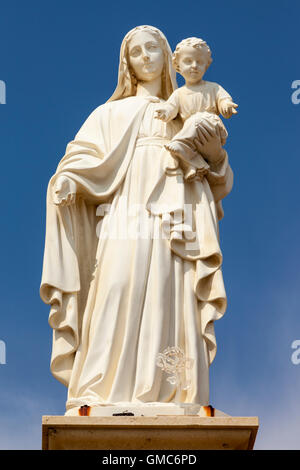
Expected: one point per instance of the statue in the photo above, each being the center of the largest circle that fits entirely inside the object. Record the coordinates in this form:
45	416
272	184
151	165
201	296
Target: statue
132	262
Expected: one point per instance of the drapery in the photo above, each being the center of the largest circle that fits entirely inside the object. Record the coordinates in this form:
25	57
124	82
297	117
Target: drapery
99	160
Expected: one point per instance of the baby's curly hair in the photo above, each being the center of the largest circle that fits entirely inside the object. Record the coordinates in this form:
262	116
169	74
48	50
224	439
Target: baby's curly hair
193	42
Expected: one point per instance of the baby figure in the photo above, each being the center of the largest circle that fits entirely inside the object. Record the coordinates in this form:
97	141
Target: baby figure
196	101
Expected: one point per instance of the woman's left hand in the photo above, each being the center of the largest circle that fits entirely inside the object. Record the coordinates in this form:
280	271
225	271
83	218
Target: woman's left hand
209	141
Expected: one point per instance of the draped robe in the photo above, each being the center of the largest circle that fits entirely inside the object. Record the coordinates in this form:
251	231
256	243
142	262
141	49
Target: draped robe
117	303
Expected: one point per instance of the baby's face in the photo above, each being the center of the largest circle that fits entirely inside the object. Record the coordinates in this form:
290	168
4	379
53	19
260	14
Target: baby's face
192	63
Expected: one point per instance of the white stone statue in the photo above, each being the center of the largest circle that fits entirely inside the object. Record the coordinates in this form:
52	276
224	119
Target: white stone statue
132	262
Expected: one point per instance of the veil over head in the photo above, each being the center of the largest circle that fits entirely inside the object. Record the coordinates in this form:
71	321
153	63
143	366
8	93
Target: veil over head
126	83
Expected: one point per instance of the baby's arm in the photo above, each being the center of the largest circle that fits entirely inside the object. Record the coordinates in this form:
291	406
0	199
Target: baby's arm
170	108
226	106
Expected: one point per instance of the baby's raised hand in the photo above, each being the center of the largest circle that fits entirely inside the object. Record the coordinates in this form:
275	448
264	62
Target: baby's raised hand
227	108
161	114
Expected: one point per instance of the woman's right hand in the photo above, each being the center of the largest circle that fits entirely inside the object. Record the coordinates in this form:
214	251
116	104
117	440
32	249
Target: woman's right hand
64	191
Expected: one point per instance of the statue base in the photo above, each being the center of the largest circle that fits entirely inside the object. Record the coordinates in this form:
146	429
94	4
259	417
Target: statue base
183	432
143	409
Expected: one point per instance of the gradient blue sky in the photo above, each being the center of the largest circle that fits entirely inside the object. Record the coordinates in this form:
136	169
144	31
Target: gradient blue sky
59	61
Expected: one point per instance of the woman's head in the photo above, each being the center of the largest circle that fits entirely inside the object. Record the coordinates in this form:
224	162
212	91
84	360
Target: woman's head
145	55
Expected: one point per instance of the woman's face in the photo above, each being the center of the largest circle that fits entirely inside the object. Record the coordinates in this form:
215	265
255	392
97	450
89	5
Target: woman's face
145	56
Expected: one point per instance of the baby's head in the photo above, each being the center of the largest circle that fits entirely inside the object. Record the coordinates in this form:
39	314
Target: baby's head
191	59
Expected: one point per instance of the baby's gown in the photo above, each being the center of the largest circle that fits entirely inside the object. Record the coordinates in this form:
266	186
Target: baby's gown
141	299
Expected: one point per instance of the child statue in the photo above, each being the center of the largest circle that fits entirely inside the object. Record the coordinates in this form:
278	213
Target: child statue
194	102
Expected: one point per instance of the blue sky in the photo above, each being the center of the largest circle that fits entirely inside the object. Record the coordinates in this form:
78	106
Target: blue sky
59	61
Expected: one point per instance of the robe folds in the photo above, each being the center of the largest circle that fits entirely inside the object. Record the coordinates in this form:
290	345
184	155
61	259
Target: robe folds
118	301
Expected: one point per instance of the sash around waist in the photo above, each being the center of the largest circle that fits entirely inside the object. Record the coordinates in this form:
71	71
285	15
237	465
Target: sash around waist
160	141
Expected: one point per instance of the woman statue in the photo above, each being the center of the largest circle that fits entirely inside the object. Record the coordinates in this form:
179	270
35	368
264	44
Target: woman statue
125	275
